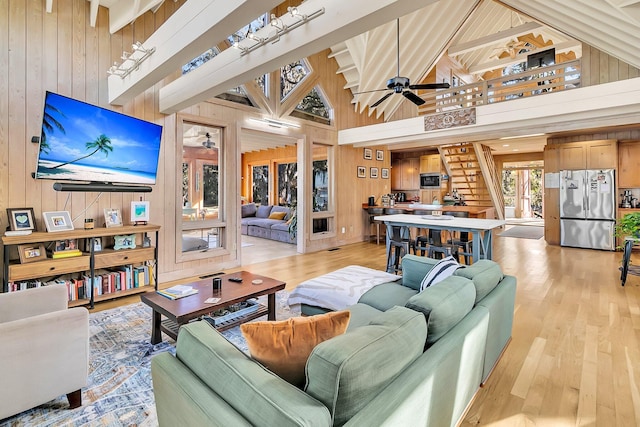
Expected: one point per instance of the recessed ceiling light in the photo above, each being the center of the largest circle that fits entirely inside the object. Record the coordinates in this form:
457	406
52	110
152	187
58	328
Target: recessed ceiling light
505	145
522	136
515	149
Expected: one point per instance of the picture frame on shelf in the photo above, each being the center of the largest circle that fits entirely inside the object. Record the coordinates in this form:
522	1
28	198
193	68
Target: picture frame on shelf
373	172
57	221
112	218
362	172
97	244
21	219
384	173
380	155
125	241
31	253
65	245
368	154
139	212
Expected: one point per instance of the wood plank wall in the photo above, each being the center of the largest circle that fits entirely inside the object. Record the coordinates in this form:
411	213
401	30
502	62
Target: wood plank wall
599	67
61	52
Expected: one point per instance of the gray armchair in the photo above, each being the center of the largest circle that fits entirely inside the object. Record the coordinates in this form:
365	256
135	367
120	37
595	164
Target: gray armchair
44	351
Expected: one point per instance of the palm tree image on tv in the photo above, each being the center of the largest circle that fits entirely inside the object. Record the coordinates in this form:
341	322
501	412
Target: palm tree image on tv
101	144
48	124
84	142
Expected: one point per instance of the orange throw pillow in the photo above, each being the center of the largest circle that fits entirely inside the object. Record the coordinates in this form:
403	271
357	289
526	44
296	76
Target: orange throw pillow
277	215
284	346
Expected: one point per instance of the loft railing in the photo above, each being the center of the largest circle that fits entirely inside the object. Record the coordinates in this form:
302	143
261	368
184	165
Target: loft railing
534	82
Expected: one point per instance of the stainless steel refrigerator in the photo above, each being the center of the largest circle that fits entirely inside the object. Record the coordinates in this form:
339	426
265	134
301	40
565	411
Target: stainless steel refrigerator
587	208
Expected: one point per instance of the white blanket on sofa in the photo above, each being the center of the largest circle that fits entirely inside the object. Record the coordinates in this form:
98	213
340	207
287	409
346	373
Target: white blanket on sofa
339	289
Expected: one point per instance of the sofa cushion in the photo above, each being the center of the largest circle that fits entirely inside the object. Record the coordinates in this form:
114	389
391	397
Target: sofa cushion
284	346
387	295
443	269
230	373
263	211
347	371
414	268
263	222
485	274
280	226
284	209
248	210
277	215
444	305
361	315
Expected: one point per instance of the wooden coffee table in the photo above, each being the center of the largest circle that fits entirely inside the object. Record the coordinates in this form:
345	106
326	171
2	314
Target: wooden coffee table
181	311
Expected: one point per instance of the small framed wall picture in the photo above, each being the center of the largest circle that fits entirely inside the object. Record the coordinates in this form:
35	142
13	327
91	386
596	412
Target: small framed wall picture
379	155
57	221
21	219
362	172
112	218
139	212
373	172
368	154
384	173
31	253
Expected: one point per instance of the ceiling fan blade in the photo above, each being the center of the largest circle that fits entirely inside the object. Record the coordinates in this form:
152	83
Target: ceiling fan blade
370	91
381	100
413	97
430	86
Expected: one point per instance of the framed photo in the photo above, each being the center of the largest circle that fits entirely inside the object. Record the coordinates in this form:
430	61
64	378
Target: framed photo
373	172
139	212
97	244
21	219
379	155
65	245
362	172
384	173
31	253
126	241
57	221
112	218
368	154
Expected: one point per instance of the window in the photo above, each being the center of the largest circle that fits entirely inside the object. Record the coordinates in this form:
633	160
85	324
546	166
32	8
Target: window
287	184
200	224
314	107
260	184
322	213
291	75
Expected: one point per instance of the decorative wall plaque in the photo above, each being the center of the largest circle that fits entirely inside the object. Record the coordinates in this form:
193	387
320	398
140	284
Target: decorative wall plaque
450	119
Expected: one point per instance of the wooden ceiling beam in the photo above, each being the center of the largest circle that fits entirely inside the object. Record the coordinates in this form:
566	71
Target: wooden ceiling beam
491	39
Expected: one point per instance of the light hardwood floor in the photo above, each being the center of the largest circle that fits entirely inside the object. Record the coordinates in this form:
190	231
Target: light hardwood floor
574	359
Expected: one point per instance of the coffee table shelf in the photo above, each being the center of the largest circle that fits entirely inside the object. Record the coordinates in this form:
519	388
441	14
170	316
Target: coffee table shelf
170	327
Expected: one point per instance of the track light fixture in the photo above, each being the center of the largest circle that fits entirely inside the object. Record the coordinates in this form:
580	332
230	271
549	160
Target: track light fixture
131	61
278	26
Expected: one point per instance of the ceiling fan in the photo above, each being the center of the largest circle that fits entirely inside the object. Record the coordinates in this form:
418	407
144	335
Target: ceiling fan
208	143
512	47
400	84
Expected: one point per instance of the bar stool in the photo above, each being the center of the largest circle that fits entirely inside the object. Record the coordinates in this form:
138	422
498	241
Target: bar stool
461	243
399	243
422	240
373	212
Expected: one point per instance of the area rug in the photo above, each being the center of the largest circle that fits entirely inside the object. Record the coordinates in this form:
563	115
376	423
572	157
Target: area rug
119	390
523	232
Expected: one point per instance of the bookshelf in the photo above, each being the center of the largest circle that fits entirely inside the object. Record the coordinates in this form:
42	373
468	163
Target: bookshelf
90	267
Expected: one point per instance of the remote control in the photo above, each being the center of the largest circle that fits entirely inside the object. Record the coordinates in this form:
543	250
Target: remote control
235	279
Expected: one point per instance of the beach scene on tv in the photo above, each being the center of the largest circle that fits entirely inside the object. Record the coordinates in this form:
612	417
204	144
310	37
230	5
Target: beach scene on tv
83	142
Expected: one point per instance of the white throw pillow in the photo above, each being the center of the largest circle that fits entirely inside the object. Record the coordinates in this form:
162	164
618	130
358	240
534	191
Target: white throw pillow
443	269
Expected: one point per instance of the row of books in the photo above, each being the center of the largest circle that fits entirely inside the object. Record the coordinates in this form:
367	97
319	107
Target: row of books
118	279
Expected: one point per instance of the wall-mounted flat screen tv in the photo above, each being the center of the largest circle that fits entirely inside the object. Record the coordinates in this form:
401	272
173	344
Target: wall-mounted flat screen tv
84	142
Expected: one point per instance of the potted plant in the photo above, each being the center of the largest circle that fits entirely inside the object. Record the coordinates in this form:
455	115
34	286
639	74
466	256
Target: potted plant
628	225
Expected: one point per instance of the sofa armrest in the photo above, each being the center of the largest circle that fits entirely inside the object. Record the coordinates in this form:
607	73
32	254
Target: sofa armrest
43	357
32	302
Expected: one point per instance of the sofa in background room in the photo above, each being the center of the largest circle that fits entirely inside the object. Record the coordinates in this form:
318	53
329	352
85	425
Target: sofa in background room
266	221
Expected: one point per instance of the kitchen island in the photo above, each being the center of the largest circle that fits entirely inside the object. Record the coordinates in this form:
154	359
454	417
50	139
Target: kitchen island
482	212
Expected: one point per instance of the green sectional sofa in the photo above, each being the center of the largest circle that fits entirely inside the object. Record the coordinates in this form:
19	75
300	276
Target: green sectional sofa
407	358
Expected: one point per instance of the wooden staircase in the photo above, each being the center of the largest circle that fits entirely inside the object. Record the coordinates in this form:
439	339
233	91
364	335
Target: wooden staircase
473	175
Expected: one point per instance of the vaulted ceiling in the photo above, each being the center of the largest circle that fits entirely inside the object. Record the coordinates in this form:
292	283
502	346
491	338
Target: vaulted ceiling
477	34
